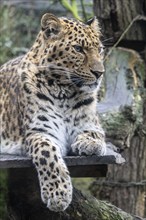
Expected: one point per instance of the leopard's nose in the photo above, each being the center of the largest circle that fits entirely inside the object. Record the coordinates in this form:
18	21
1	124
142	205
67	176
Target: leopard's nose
97	74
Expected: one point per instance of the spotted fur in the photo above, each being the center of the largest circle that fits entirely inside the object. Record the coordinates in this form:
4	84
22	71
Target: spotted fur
48	103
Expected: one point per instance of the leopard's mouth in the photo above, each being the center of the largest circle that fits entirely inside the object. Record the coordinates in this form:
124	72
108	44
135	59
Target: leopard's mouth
92	86
83	84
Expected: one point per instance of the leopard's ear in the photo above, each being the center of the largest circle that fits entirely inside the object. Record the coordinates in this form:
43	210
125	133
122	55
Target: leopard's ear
50	25
93	22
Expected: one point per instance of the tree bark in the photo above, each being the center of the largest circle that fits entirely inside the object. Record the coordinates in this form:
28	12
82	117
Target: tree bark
126	128
125	125
115	16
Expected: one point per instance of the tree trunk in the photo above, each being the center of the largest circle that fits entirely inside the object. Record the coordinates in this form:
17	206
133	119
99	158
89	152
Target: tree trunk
115	16
125	186
125	125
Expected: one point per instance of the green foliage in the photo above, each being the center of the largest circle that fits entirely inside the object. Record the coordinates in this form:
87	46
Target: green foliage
81	10
16	36
83	184
16	31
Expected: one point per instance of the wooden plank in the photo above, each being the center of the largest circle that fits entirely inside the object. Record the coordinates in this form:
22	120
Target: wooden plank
14	161
79	166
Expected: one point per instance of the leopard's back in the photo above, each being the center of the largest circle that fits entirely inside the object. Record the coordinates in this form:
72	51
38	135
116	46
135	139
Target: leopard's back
10	118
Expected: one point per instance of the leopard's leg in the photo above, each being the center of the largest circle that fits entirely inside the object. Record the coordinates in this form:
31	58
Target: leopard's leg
54	178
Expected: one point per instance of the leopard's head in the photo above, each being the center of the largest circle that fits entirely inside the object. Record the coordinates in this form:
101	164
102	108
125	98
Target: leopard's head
72	49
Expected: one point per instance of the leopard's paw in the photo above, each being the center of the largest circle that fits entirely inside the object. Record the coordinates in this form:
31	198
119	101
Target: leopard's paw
89	146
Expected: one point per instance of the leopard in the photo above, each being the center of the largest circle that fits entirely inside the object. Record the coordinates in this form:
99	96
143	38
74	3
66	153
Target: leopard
48	104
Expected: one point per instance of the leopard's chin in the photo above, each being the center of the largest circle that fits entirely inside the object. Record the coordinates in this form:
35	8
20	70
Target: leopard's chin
95	86
90	87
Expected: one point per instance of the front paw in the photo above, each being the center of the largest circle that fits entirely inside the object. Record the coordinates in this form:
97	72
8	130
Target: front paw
87	145
56	191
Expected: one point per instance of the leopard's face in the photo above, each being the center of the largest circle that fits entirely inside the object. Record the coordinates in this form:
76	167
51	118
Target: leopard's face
72	49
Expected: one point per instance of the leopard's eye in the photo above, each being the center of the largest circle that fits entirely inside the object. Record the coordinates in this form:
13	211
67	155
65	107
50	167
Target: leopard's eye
78	48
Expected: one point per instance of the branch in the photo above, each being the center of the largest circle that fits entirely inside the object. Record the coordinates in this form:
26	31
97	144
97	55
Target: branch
137	18
86	208
72	7
83	10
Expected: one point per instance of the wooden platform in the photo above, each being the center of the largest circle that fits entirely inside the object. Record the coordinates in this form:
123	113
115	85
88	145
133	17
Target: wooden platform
84	166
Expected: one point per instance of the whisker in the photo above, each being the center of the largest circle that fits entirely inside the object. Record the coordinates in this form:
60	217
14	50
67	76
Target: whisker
55	69
71	77
110	38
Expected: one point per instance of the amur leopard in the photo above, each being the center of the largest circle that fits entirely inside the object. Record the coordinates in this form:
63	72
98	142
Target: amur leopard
48	103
